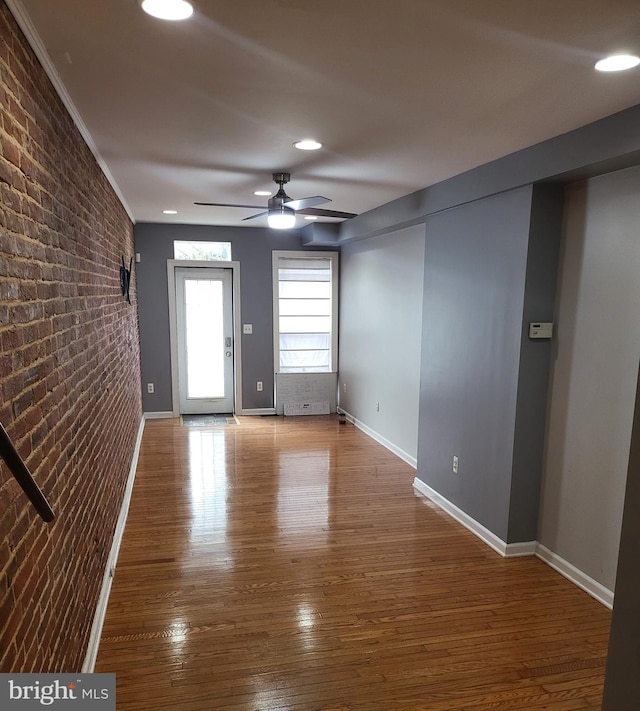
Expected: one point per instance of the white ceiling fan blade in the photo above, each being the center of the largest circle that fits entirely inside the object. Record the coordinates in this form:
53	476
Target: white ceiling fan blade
306	202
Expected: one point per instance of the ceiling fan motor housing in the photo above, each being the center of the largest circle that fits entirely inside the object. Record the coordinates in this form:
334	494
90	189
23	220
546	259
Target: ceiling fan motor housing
280	216
281	178
280	197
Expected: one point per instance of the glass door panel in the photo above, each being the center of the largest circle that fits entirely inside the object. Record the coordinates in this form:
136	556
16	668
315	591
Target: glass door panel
204	316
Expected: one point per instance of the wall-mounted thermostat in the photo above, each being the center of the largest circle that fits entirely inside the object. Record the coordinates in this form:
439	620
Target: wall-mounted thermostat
540	330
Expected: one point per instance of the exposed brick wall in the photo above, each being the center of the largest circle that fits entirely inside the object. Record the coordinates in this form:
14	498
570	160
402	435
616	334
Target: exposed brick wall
69	367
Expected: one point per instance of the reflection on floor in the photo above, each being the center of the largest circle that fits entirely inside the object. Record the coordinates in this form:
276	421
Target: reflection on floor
288	565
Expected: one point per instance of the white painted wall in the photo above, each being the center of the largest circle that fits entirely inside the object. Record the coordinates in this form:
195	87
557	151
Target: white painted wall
381	289
593	382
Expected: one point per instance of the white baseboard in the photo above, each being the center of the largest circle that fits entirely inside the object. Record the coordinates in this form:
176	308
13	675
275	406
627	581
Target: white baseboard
520	550
410	460
101	608
514	550
506	550
158	415
576	576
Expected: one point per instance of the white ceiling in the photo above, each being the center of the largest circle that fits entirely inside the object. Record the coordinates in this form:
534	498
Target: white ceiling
403	93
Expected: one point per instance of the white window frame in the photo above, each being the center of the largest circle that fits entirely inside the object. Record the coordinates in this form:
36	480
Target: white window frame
306	255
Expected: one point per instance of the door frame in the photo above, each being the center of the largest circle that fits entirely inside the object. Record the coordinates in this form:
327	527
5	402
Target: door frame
172	265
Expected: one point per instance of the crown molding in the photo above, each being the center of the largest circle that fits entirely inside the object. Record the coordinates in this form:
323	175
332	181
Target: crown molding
25	23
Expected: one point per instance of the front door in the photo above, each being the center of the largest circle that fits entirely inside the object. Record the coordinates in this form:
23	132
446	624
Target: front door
204	315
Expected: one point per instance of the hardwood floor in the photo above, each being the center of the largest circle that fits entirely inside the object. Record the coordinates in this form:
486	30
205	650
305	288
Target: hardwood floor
287	564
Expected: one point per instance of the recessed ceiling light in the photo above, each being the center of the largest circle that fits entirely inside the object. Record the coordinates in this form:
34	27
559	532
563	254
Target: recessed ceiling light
168	9
310	217
308	144
169	212
262	193
617	63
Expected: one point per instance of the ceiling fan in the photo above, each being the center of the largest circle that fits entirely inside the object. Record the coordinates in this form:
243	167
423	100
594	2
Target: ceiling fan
281	209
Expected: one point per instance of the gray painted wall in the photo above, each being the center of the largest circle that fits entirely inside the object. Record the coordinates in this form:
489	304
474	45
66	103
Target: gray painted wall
475	267
251	247
380	335
594	375
535	360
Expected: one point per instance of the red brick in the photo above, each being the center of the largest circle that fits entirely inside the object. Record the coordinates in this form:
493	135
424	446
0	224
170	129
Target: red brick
10	151
63	326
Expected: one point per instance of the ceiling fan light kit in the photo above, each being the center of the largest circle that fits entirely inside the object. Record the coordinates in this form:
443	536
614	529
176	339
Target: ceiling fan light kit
281	218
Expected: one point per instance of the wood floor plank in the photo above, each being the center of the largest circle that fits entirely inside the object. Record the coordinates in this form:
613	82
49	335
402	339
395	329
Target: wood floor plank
287	564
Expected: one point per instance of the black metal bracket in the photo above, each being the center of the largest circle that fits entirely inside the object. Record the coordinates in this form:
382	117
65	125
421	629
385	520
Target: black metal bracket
125	279
23	476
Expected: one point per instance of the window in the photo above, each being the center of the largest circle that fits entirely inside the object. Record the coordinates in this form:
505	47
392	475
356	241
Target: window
305	311
202	251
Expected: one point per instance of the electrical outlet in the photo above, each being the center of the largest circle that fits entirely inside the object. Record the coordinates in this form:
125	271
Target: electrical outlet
344	387
377	407
150	388
259	386
455	464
